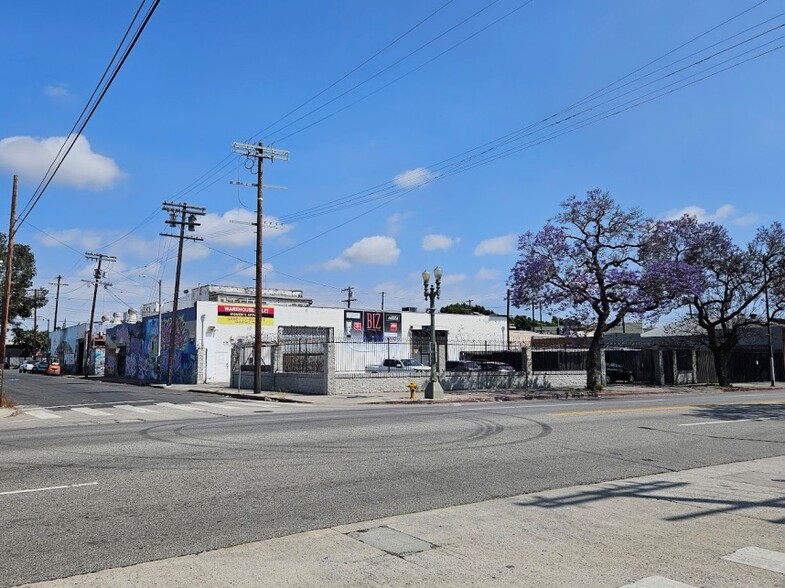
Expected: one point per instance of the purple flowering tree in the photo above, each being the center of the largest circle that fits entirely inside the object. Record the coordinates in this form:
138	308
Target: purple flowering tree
735	281
592	262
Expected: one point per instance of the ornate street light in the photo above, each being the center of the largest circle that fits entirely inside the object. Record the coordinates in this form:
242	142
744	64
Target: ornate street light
434	388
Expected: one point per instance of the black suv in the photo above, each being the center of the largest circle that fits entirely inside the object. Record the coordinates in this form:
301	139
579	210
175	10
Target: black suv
615	372
462	366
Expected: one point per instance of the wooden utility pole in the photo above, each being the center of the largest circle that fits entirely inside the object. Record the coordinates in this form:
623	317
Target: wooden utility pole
97	274
259	153
188	216
35	322
57	297
9	267
349	299
382	300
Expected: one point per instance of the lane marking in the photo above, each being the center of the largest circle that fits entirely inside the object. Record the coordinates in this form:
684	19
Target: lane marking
216	405
27	491
661	408
657	582
130	408
92	411
94	404
728	422
759	558
40	413
177	406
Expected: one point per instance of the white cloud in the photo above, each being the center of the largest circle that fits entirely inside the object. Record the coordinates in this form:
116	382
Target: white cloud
195	251
242	232
496	246
435	242
30	157
412	178
394	222
58	91
725	213
78	238
376	250
484	274
453	279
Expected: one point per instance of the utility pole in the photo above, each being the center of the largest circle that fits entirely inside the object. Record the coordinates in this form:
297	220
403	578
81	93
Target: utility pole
382	300
508	319
97	274
9	267
349	299
57	297
259	153
35	322
191	212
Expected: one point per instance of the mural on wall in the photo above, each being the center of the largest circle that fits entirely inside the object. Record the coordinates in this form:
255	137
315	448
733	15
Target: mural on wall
131	350
64	344
184	365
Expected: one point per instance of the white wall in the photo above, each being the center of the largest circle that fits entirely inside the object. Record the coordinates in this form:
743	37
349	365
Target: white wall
217	339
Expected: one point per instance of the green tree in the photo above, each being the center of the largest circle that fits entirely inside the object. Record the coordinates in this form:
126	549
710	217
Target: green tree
24	338
465	308
22	301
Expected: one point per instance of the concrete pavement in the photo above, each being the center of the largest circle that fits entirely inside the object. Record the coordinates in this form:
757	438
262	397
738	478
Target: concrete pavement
402	397
719	526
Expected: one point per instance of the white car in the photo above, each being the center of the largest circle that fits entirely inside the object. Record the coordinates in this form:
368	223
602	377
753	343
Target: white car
27	366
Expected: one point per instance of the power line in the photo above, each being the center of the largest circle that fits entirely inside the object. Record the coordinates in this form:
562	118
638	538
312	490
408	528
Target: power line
36	197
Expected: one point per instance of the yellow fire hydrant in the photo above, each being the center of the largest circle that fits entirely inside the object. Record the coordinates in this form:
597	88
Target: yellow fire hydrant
412	390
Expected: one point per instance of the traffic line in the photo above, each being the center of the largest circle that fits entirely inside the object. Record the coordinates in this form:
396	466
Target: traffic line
40	413
177	406
91	411
759	558
657	582
27	491
138	409
602	411
217	405
728	422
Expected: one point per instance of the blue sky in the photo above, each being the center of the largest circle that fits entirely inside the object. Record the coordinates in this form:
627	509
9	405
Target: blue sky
206	74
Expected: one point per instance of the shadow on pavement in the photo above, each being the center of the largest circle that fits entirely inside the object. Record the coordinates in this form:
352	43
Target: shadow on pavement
719	412
657	491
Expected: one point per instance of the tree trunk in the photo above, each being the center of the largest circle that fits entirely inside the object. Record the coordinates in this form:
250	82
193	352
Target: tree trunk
721	366
594	362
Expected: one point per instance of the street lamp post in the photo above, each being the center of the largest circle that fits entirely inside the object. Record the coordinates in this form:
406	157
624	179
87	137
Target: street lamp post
768	323
434	388
158	346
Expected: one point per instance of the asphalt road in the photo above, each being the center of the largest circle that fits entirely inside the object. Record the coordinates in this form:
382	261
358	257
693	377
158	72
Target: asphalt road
123	493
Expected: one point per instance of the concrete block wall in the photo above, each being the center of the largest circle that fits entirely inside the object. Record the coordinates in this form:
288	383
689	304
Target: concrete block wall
575	379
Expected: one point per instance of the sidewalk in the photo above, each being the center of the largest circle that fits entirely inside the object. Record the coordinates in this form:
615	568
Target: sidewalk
371	398
719	527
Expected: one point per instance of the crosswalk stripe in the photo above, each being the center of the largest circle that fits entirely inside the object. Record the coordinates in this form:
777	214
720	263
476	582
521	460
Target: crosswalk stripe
216	405
130	408
40	413
759	558
657	582
91	411
177	406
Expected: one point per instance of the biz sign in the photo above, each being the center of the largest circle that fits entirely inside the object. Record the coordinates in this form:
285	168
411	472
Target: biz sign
371	325
244	314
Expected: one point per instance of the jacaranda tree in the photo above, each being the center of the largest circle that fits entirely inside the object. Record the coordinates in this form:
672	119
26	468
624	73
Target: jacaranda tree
735	281
592	261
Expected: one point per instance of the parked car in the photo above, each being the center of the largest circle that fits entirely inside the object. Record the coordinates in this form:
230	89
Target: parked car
398	365
462	366
27	366
497	366
40	367
53	369
615	372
